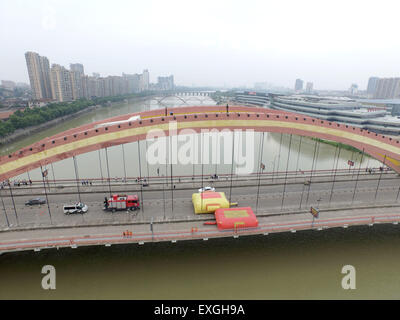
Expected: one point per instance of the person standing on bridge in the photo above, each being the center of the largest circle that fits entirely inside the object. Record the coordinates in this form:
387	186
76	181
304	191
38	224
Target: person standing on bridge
227	108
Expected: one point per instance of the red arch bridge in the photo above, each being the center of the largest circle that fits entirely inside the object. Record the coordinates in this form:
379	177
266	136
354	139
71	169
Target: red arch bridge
119	130
370	196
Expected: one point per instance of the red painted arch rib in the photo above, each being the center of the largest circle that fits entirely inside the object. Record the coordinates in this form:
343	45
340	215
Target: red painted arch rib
380	147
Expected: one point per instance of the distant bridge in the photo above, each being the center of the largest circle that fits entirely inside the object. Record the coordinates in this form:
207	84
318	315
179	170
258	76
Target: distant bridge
193	93
185	97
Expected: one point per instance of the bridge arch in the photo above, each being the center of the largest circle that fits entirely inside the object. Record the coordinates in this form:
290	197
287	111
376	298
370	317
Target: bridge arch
198	98
171	96
91	137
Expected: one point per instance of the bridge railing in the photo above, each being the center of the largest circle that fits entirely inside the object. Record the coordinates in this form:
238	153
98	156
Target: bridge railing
167	179
192	233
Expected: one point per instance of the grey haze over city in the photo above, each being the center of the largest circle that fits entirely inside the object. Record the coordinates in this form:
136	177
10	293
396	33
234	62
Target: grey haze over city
208	43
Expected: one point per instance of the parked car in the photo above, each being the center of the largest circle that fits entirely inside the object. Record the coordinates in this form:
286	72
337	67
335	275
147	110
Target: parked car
35	201
206	189
75	208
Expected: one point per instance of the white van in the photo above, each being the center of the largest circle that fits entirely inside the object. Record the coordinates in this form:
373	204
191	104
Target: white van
76	208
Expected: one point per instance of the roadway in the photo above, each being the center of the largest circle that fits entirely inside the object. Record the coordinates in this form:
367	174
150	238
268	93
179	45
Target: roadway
157	204
153	223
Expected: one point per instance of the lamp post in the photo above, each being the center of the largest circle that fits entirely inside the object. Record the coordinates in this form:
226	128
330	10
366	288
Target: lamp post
5	212
12	198
44	175
273	168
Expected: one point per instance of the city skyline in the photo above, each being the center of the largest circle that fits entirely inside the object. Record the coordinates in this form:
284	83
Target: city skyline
249	85
201	46
60	84
81	85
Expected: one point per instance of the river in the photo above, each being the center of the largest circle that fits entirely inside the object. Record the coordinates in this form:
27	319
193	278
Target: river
304	265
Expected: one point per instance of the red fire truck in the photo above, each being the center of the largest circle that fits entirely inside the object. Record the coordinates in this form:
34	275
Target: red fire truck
122	202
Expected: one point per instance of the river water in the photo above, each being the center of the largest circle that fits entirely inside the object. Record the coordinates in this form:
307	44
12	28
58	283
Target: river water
280	266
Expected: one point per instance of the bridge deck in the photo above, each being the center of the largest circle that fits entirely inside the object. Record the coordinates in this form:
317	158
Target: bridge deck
276	194
190	230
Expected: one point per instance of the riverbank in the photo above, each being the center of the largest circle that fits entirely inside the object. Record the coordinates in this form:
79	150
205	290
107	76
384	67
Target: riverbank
22	133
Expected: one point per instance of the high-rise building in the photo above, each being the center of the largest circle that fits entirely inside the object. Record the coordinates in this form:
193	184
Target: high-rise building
77	75
387	88
61	84
77	67
353	89
77	85
45	67
372	82
165	83
116	85
298	85
107	86
309	87
144	80
39	75
133	81
95	87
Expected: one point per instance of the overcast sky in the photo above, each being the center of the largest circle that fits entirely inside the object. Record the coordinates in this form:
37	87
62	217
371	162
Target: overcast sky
208	42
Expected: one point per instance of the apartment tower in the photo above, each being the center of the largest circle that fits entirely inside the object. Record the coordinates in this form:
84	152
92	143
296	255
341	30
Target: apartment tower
61	84
298	85
39	75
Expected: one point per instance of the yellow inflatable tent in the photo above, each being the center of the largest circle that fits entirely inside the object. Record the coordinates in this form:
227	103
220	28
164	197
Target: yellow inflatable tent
208	202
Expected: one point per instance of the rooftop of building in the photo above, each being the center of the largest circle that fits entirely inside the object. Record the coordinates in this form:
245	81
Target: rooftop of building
380	101
389	119
4	115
